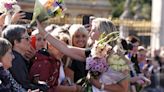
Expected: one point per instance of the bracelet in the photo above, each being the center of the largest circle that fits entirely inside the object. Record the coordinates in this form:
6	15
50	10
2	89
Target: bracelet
102	86
46	35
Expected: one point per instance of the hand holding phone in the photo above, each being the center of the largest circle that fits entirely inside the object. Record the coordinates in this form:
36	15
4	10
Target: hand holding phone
17	16
28	15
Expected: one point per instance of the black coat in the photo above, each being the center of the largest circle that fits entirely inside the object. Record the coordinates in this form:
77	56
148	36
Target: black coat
19	71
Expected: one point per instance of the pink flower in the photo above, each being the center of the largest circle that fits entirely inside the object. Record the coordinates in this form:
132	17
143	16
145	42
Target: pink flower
8	6
96	64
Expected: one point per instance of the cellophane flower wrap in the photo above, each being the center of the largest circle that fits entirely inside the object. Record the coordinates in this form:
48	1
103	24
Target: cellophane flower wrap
117	60
96	64
45	9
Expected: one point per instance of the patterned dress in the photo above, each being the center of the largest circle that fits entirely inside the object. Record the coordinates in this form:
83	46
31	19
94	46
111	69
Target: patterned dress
7	82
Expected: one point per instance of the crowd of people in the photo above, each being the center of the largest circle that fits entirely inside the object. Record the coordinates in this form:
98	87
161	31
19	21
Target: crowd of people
53	58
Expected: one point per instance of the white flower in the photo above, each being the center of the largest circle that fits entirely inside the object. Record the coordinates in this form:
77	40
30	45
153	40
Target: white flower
14	6
117	63
100	50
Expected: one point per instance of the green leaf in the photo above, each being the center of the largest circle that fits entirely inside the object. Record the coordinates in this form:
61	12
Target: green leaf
80	80
60	1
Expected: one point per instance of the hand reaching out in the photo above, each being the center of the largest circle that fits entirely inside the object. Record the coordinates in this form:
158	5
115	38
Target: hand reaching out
17	16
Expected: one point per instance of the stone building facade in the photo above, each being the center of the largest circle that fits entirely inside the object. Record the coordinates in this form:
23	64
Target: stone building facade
77	8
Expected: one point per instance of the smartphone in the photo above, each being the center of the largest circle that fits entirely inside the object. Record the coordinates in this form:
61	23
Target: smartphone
28	15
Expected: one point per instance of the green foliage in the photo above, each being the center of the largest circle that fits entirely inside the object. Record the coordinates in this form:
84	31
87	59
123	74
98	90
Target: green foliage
113	36
118	8
86	85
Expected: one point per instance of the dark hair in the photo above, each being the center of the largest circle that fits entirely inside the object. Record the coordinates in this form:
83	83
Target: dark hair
126	45
133	39
86	19
5	45
13	32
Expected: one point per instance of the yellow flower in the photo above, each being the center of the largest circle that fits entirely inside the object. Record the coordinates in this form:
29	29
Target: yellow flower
49	4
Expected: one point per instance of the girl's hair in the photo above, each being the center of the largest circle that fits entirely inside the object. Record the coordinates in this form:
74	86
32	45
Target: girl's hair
104	25
5	45
77	28
62	36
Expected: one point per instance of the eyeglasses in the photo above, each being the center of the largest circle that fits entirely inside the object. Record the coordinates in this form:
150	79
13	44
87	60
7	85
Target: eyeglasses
26	37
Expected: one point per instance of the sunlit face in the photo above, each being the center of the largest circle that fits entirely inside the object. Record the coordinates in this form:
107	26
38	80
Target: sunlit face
40	42
7	59
79	39
25	42
94	33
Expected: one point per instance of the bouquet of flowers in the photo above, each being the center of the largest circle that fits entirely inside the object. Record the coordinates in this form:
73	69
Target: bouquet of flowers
45	9
8	7
97	63
55	7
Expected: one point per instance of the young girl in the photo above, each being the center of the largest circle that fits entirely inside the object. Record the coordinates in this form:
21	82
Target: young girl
37	40
79	37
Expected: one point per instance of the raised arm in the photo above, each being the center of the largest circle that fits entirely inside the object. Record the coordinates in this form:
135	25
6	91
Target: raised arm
73	52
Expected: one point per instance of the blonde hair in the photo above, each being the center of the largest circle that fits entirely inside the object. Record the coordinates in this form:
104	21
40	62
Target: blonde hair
104	25
62	36
77	28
